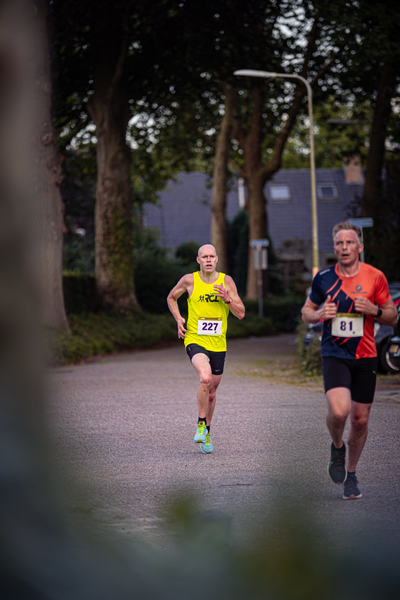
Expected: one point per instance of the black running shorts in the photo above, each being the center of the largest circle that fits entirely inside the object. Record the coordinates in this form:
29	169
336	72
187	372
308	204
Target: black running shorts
217	359
358	375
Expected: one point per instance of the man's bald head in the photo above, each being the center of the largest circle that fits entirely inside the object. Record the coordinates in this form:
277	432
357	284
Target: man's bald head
206	249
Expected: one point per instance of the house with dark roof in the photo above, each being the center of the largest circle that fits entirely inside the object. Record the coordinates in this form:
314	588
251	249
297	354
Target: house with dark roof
183	210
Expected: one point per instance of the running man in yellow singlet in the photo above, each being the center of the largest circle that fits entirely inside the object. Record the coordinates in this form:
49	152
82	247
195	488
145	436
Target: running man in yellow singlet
211	296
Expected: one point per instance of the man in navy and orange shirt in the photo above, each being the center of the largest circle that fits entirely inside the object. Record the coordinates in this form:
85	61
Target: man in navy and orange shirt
348	297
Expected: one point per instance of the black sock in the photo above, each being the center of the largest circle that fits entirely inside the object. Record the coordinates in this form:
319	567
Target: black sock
202	419
208	428
351	472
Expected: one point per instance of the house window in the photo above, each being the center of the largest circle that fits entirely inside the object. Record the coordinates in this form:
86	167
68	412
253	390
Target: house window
327	191
279	192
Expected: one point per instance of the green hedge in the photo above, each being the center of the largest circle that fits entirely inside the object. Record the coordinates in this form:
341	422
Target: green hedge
283	311
251	325
105	333
154	279
153	285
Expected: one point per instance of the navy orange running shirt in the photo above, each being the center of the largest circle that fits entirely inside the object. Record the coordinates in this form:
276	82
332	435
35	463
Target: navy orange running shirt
349	336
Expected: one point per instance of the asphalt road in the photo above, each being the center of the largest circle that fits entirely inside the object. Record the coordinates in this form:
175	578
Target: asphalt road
123	430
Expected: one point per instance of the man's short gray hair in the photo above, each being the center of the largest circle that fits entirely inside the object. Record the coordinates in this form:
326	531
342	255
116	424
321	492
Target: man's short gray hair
347	226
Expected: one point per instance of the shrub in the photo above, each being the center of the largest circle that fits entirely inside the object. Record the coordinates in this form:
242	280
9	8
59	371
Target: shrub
310	357
105	333
311	362
112	331
283	311
79	292
251	325
154	279
186	253
155	274
78	253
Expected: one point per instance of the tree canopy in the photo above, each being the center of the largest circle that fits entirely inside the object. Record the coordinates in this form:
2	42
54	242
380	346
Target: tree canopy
173	63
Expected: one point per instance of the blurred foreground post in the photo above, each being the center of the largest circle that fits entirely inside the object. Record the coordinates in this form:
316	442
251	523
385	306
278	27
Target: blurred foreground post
36	559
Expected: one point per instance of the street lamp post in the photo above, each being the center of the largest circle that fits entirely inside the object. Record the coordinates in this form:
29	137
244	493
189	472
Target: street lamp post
314	218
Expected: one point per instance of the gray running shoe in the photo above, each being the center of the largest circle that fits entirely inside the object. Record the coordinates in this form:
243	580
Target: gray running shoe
337	467
351	490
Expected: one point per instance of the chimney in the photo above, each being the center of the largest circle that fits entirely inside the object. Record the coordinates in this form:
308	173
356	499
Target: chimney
352	169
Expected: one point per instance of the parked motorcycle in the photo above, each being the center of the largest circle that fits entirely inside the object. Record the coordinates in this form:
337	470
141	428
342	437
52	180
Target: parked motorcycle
386	347
393	354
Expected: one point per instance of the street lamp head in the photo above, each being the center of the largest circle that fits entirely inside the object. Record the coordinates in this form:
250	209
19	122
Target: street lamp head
253	73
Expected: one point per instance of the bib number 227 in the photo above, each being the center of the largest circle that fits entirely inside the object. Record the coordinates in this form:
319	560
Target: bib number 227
209	327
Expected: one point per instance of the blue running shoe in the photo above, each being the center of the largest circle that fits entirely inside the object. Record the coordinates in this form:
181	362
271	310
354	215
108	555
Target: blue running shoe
200	435
207	447
351	491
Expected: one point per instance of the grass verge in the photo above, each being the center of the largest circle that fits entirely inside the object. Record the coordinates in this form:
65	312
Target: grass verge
289	370
283	370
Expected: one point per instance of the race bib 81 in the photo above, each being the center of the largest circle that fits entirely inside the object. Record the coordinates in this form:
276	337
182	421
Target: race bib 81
348	325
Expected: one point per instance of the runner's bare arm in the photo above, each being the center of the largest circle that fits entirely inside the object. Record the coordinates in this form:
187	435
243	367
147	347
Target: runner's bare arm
229	294
311	313
389	312
185	284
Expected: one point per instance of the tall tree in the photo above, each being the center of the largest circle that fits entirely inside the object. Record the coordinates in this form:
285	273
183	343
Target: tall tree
217	40
372	75
92	47
46	174
110	111
272	118
197	85
372	194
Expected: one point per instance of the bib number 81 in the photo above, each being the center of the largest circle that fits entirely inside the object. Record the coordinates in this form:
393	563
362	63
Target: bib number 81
348	325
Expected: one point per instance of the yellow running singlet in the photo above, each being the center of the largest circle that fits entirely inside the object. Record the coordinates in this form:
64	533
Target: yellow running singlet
208	316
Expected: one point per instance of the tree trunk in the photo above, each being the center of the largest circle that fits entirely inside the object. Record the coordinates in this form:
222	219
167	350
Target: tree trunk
220	178
373	177
47	177
258	228
109	108
255	175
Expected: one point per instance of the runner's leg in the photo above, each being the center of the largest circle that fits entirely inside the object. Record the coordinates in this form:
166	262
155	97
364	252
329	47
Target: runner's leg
339	407
358	432
201	363
212	398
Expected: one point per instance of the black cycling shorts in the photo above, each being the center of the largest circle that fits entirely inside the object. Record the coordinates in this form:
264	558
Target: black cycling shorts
217	359
358	375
